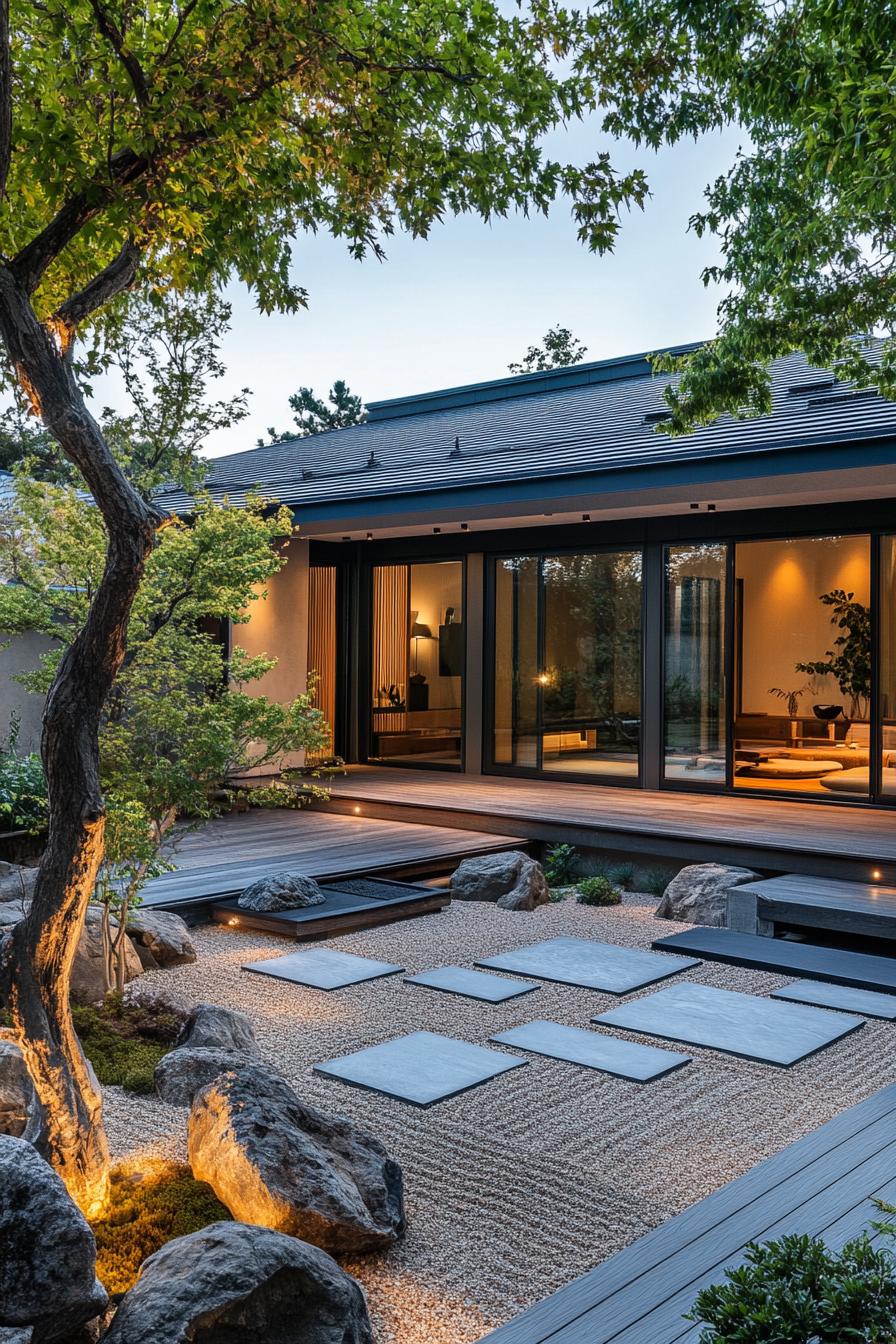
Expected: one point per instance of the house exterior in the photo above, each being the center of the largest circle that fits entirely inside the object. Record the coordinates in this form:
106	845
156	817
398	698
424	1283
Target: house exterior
523	577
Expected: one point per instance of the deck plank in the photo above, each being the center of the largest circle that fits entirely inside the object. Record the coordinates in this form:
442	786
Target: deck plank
864	970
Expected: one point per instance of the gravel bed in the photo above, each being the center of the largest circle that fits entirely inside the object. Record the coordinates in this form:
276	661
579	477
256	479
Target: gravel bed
517	1186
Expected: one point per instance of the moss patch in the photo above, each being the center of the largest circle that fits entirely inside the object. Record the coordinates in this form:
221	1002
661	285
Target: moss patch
147	1209
124	1044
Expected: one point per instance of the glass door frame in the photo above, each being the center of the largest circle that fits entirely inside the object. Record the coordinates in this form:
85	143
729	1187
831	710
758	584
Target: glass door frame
367	634
539	553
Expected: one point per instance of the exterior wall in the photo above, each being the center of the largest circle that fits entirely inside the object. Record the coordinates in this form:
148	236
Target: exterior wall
21	655
278	626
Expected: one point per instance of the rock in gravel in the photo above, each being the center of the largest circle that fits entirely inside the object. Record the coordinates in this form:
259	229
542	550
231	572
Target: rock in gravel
230	1283
282	891
161	939
21	1114
47	1251
89	968
273	1160
158	1005
213	1040
699	893
514	881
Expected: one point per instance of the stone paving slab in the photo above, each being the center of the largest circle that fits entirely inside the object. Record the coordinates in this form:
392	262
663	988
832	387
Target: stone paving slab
472	984
422	1068
322	968
608	1054
865	1002
590	964
765	1030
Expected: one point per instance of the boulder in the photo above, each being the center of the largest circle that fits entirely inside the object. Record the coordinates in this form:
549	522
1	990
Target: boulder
514	881
213	1040
231	1282
88	969
281	891
216	1028
160	938
48	1261
163	1008
21	1114
699	893
16	882
11	912
183	1072
273	1160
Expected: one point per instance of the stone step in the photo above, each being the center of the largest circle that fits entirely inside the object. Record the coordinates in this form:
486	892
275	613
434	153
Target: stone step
779	955
865	908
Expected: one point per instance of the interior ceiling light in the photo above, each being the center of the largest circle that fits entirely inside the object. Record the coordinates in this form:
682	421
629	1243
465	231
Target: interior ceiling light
436	531
586	517
370	536
465	527
695	506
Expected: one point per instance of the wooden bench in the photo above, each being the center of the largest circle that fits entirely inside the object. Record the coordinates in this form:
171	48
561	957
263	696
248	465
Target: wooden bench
823	1185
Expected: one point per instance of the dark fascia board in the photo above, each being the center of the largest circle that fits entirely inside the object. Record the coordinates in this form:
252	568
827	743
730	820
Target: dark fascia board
521	385
797	460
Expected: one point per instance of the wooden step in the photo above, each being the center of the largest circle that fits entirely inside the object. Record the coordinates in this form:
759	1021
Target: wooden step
799	899
783	957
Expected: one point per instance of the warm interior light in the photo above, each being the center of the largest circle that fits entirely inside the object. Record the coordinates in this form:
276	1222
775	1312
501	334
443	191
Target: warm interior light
543	679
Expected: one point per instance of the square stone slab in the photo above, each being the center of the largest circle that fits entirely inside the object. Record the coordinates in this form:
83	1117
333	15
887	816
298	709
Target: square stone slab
421	1068
624	1059
471	984
741	1024
866	1002
593	965
321	968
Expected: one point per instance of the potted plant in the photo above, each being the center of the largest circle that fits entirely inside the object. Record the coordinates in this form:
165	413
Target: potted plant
793	699
849	661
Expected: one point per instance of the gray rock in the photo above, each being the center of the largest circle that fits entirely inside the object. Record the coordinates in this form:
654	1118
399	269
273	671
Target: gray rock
160	938
158	1003
11	912
218	1028
514	881
89	983
699	893
282	891
21	1114
16	882
48	1261
272	1160
182	1073
230	1283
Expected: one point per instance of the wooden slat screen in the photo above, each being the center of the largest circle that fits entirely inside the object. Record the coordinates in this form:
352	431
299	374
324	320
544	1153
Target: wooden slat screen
391	630
322	646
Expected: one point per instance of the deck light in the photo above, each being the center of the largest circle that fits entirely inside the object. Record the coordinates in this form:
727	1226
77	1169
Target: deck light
876	875
233	922
357	811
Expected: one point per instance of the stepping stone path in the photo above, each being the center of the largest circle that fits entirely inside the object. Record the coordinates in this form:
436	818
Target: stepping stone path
421	1068
321	968
765	1030
592	965
471	984
608	1054
866	1002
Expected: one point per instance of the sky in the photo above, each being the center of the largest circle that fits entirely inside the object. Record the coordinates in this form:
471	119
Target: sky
460	306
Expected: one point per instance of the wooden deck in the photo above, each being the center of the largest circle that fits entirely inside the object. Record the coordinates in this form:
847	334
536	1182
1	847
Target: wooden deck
221	858
778	835
823	1185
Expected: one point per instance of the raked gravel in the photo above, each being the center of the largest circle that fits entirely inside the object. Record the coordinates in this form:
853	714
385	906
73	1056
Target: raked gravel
519	1185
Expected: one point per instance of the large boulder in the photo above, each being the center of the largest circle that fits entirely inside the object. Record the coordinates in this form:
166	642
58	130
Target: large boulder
212	1041
230	1282
89	983
47	1251
160	939
514	881
272	1160
281	891
699	893
16	882
21	1114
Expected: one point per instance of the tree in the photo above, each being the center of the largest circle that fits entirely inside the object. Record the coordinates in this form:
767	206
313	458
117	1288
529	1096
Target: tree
314	416
559	350
805	215
174	146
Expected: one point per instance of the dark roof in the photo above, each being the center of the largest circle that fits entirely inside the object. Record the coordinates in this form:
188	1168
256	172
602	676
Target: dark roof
581	420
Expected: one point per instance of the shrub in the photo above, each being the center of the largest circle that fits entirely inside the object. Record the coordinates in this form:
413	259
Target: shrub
559	864
620	874
144	1211
23	793
122	1043
598	891
656	880
795	1290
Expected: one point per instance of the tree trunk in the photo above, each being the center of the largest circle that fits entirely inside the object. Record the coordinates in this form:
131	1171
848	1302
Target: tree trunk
38	968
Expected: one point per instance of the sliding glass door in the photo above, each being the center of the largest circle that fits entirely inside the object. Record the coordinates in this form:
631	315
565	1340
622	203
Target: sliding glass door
567	669
887	678
694	654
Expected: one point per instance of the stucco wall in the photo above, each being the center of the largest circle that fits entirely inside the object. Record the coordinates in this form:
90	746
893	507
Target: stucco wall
278	626
21	655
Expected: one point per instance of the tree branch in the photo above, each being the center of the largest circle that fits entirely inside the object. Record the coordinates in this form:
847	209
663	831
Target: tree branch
115	38
5	97
118	275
